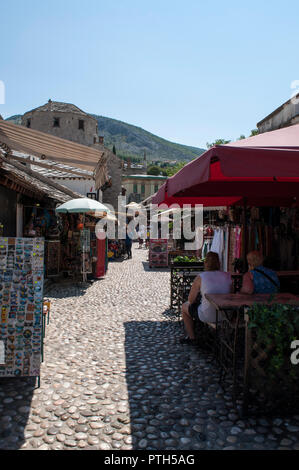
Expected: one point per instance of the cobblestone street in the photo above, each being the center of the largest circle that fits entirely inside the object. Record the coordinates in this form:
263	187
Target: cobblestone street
114	377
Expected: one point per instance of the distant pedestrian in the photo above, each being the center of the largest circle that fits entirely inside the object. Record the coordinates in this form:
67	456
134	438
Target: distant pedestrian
128	245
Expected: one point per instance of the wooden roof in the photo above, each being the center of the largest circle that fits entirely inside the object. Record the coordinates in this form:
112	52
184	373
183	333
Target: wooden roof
21	179
48	147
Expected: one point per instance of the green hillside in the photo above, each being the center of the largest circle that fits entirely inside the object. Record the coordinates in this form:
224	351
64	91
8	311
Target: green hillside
15	119
133	141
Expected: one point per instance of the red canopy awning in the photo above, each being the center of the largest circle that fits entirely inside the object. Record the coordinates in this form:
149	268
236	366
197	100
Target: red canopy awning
265	176
162	198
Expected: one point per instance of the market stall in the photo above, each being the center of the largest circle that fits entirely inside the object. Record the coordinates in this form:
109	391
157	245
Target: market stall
158	253
81	245
262	186
42	222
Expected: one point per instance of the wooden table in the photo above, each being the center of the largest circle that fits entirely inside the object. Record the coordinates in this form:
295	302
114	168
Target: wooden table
233	333
236	301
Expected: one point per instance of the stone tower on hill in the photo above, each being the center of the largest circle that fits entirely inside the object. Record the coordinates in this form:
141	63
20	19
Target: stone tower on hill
69	122
63	120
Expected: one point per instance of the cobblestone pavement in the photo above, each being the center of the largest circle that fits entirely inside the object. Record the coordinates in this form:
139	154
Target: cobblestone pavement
115	378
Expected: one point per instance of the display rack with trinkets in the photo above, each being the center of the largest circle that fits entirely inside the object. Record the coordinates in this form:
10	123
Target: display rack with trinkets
21	306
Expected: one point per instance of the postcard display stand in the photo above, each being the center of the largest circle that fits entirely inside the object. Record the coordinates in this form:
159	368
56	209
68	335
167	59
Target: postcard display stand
158	253
21	306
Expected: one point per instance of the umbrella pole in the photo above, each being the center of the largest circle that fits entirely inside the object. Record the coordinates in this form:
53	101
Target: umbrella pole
83	252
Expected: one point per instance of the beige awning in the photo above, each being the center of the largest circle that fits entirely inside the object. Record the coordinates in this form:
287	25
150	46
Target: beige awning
42	145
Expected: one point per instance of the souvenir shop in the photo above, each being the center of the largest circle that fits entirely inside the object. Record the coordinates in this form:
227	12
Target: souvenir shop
42	222
116	249
71	246
273	231
176	247
116	246
80	250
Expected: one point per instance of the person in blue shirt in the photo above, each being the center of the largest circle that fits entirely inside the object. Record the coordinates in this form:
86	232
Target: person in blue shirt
258	279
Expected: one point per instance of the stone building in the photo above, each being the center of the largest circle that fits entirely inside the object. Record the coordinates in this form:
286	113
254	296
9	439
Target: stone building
284	116
67	121
140	187
63	120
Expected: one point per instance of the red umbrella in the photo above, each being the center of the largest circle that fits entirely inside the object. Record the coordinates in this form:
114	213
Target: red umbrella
264	176
262	171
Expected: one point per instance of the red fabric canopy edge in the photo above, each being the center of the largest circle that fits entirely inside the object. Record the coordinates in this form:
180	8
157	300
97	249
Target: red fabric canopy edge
241	163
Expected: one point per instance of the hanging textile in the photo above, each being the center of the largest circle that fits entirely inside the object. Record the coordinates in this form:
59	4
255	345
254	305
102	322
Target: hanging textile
218	244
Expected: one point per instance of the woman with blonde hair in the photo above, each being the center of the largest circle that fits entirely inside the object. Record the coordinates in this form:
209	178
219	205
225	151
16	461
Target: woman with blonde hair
211	281
258	279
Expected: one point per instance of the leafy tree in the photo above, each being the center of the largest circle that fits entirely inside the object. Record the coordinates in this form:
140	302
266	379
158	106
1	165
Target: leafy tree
223	141
218	142
156	170
174	169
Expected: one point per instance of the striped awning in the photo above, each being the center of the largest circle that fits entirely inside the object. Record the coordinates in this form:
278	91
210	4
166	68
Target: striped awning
49	147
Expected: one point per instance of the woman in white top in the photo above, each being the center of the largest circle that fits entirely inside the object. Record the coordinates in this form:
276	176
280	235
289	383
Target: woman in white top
211	281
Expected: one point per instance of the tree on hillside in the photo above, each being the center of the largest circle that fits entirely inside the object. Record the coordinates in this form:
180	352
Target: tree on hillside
223	141
174	169
114	150
218	142
156	171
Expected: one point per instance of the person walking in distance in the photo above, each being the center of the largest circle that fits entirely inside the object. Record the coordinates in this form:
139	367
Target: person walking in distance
128	245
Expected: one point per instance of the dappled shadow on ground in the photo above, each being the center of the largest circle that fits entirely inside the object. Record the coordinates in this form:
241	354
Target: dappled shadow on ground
68	288
165	382
15	404
172	314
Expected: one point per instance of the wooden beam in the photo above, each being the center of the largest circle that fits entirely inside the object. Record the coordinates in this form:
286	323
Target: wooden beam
41	178
20	187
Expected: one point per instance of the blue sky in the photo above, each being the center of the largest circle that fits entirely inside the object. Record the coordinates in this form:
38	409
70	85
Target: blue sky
190	71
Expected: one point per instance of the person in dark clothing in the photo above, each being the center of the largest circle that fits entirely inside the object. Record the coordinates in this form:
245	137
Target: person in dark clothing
128	245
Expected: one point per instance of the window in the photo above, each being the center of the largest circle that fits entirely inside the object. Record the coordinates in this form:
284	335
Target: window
81	124
135	188
142	189
28	123
56	122
156	187
91	195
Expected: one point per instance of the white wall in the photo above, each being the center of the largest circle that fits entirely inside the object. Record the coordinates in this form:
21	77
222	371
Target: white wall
79	185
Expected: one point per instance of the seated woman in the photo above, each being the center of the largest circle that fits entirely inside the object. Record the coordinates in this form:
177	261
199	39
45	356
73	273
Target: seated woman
258	279
212	281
